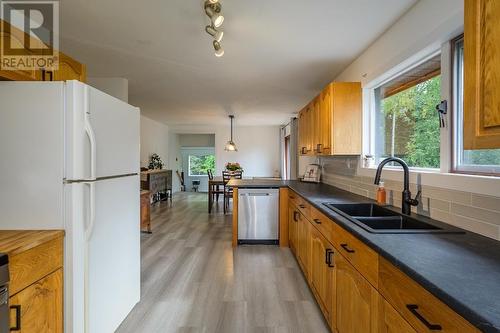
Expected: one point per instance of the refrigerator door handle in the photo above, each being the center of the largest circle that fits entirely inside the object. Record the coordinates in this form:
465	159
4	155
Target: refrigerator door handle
91	135
90	226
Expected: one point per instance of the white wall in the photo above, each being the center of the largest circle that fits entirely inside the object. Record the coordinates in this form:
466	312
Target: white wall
258	150
197	140
427	25
114	86
154	139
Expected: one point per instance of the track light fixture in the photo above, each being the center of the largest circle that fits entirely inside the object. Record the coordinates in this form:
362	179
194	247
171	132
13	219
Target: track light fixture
213	9
216	34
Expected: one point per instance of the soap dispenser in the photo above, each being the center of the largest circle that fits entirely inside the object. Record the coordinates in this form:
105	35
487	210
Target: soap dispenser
381	194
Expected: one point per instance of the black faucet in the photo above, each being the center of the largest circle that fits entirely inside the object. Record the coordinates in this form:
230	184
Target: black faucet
407	201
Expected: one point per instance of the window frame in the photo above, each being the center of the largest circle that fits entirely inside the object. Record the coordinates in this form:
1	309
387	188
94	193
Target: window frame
189	165
371	108
456	116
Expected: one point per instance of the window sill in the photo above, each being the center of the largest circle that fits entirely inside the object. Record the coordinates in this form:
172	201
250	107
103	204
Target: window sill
479	184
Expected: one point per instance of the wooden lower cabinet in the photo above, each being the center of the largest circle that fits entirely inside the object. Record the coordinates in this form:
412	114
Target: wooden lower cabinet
323	275
357	300
293	223
304	245
39	307
390	321
145	211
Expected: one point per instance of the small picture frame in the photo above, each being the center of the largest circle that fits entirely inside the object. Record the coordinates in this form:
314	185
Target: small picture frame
312	174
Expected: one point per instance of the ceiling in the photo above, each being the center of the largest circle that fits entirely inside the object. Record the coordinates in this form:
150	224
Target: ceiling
278	53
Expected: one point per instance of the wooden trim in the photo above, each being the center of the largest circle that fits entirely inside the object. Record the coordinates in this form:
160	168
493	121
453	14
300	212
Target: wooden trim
235	217
412	83
283	217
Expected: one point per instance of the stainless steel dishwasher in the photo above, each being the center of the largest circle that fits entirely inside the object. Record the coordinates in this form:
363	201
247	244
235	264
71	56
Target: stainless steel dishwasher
258	215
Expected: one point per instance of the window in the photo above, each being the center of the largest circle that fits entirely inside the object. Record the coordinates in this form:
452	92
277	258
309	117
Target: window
468	161
199	165
406	124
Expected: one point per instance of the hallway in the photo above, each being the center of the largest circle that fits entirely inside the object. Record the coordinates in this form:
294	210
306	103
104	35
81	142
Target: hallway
192	281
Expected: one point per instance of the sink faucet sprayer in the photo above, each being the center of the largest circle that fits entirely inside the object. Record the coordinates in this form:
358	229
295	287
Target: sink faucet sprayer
407	201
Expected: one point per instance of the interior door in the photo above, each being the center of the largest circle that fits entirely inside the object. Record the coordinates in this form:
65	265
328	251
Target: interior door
113	254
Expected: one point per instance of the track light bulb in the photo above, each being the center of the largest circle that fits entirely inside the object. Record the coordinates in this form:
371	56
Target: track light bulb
213	1
217	20
216	34
219	51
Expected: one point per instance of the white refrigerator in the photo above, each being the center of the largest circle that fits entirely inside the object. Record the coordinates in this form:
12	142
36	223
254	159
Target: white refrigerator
69	159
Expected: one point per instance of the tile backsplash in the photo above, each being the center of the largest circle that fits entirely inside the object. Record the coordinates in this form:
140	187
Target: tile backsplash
470	211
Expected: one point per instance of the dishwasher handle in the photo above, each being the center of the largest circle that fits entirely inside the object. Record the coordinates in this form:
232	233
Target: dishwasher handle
255	194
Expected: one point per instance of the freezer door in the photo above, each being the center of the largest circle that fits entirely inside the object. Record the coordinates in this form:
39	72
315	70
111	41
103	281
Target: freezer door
103	134
113	286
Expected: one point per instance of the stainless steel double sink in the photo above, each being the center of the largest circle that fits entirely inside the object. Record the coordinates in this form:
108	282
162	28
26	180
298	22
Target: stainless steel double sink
381	220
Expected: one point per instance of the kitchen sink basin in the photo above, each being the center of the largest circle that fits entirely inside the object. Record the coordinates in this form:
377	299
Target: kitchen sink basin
363	209
380	220
395	223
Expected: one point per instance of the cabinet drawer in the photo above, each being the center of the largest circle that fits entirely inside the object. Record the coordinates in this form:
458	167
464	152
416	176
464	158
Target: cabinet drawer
302	205
32	265
359	255
419	307
323	223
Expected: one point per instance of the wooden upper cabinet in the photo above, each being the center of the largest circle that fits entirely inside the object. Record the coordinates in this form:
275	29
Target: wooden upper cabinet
306	130
331	123
69	69
346	121
357	300
325	121
482	74
16	38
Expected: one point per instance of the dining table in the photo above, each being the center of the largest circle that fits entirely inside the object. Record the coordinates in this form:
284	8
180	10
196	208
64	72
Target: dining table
214	182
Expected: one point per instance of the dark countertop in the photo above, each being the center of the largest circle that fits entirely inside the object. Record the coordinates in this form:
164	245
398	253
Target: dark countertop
462	270
258	183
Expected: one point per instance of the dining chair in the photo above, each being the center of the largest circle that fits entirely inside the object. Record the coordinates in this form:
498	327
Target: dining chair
214	188
228	191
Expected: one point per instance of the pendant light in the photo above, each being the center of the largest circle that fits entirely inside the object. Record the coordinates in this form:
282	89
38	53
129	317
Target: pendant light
230	145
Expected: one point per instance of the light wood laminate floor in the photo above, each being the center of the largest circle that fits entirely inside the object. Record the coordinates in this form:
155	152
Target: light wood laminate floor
193	281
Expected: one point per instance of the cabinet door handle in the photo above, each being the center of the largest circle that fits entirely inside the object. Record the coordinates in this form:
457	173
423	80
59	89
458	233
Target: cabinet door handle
328	259
413	309
302	206
17	308
295	216
317	221
345	247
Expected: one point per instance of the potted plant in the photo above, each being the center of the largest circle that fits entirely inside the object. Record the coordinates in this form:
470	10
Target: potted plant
155	162
233	167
